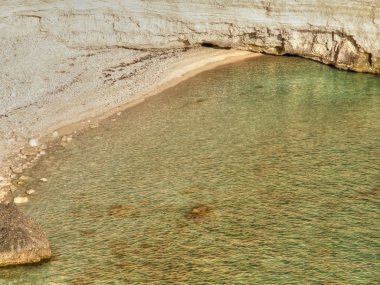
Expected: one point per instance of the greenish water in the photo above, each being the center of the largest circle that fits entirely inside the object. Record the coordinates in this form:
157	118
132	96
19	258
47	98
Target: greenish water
282	153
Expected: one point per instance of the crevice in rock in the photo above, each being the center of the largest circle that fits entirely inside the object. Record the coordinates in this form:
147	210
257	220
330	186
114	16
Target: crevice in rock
214	46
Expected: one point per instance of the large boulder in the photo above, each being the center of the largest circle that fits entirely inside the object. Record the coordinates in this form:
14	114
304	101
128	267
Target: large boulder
21	239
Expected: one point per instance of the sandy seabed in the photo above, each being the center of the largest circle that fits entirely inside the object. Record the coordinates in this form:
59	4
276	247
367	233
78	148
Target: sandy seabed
49	91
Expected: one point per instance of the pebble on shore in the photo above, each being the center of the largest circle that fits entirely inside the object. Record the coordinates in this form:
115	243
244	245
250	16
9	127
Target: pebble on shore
24	178
20	200
33	142
30	191
66	139
43	179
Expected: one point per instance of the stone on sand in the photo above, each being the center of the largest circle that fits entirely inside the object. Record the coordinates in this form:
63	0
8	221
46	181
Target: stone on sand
33	142
20	200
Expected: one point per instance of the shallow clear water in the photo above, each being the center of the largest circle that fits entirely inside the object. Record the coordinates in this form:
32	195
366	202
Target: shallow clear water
282	153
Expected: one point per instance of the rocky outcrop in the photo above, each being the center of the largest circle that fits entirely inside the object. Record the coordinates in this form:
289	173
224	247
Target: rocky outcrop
21	239
345	34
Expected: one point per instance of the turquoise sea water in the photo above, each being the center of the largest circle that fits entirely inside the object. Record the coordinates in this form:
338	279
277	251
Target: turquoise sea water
265	171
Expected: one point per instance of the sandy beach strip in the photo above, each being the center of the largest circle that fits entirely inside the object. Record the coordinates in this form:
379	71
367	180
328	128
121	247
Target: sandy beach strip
72	90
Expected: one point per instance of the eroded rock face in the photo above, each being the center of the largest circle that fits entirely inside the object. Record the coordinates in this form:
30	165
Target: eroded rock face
342	33
21	239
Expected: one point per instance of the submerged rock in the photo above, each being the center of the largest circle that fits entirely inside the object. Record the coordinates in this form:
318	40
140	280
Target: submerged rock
29	151
119	210
199	212
22	239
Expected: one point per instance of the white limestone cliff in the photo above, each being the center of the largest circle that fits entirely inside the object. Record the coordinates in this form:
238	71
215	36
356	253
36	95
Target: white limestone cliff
342	33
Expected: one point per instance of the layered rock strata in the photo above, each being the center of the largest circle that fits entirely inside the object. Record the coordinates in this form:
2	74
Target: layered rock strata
22	240
341	33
